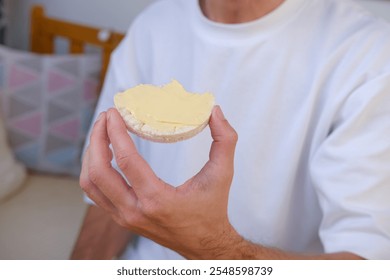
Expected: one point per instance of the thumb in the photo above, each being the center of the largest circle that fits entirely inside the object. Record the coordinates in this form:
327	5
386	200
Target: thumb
225	139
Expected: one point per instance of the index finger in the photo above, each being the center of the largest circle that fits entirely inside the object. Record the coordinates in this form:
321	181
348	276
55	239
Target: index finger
100	170
137	171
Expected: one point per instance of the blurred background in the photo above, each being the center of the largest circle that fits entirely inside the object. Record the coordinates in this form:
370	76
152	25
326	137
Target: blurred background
43	126
115	14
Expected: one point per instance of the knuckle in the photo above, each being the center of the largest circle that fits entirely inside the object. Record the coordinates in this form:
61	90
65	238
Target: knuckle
94	174
233	136
125	220
122	159
150	209
85	184
122	221
130	219
154	211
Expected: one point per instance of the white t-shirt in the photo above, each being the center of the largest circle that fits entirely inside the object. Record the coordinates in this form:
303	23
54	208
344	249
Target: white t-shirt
307	88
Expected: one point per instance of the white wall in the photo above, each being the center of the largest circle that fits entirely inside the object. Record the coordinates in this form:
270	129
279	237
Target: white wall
113	14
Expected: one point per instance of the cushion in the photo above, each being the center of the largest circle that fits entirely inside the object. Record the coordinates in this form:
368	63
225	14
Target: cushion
12	173
47	102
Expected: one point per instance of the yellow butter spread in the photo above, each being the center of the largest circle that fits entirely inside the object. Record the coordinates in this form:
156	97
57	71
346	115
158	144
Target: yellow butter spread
166	108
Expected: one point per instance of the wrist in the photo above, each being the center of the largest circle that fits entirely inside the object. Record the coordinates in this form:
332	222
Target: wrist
218	246
228	244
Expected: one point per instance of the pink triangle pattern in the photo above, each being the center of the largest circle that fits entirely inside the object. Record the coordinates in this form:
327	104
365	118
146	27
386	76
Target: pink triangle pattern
29	124
68	130
20	77
90	89
58	81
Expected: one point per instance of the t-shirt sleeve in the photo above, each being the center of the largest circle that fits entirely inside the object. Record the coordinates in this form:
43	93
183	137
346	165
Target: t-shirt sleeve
351	174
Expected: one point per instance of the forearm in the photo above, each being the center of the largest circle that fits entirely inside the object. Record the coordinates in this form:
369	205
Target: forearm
248	250
231	246
100	237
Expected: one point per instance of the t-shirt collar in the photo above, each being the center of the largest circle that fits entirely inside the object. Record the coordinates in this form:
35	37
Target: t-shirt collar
259	27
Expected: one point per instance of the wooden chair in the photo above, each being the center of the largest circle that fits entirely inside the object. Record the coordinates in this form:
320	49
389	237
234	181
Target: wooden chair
44	31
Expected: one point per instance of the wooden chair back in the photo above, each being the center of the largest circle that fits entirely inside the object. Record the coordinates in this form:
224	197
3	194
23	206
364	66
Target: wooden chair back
44	30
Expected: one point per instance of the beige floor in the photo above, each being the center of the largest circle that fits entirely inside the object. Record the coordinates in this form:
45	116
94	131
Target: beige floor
42	220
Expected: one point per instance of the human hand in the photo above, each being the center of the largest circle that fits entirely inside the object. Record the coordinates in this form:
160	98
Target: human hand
190	219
